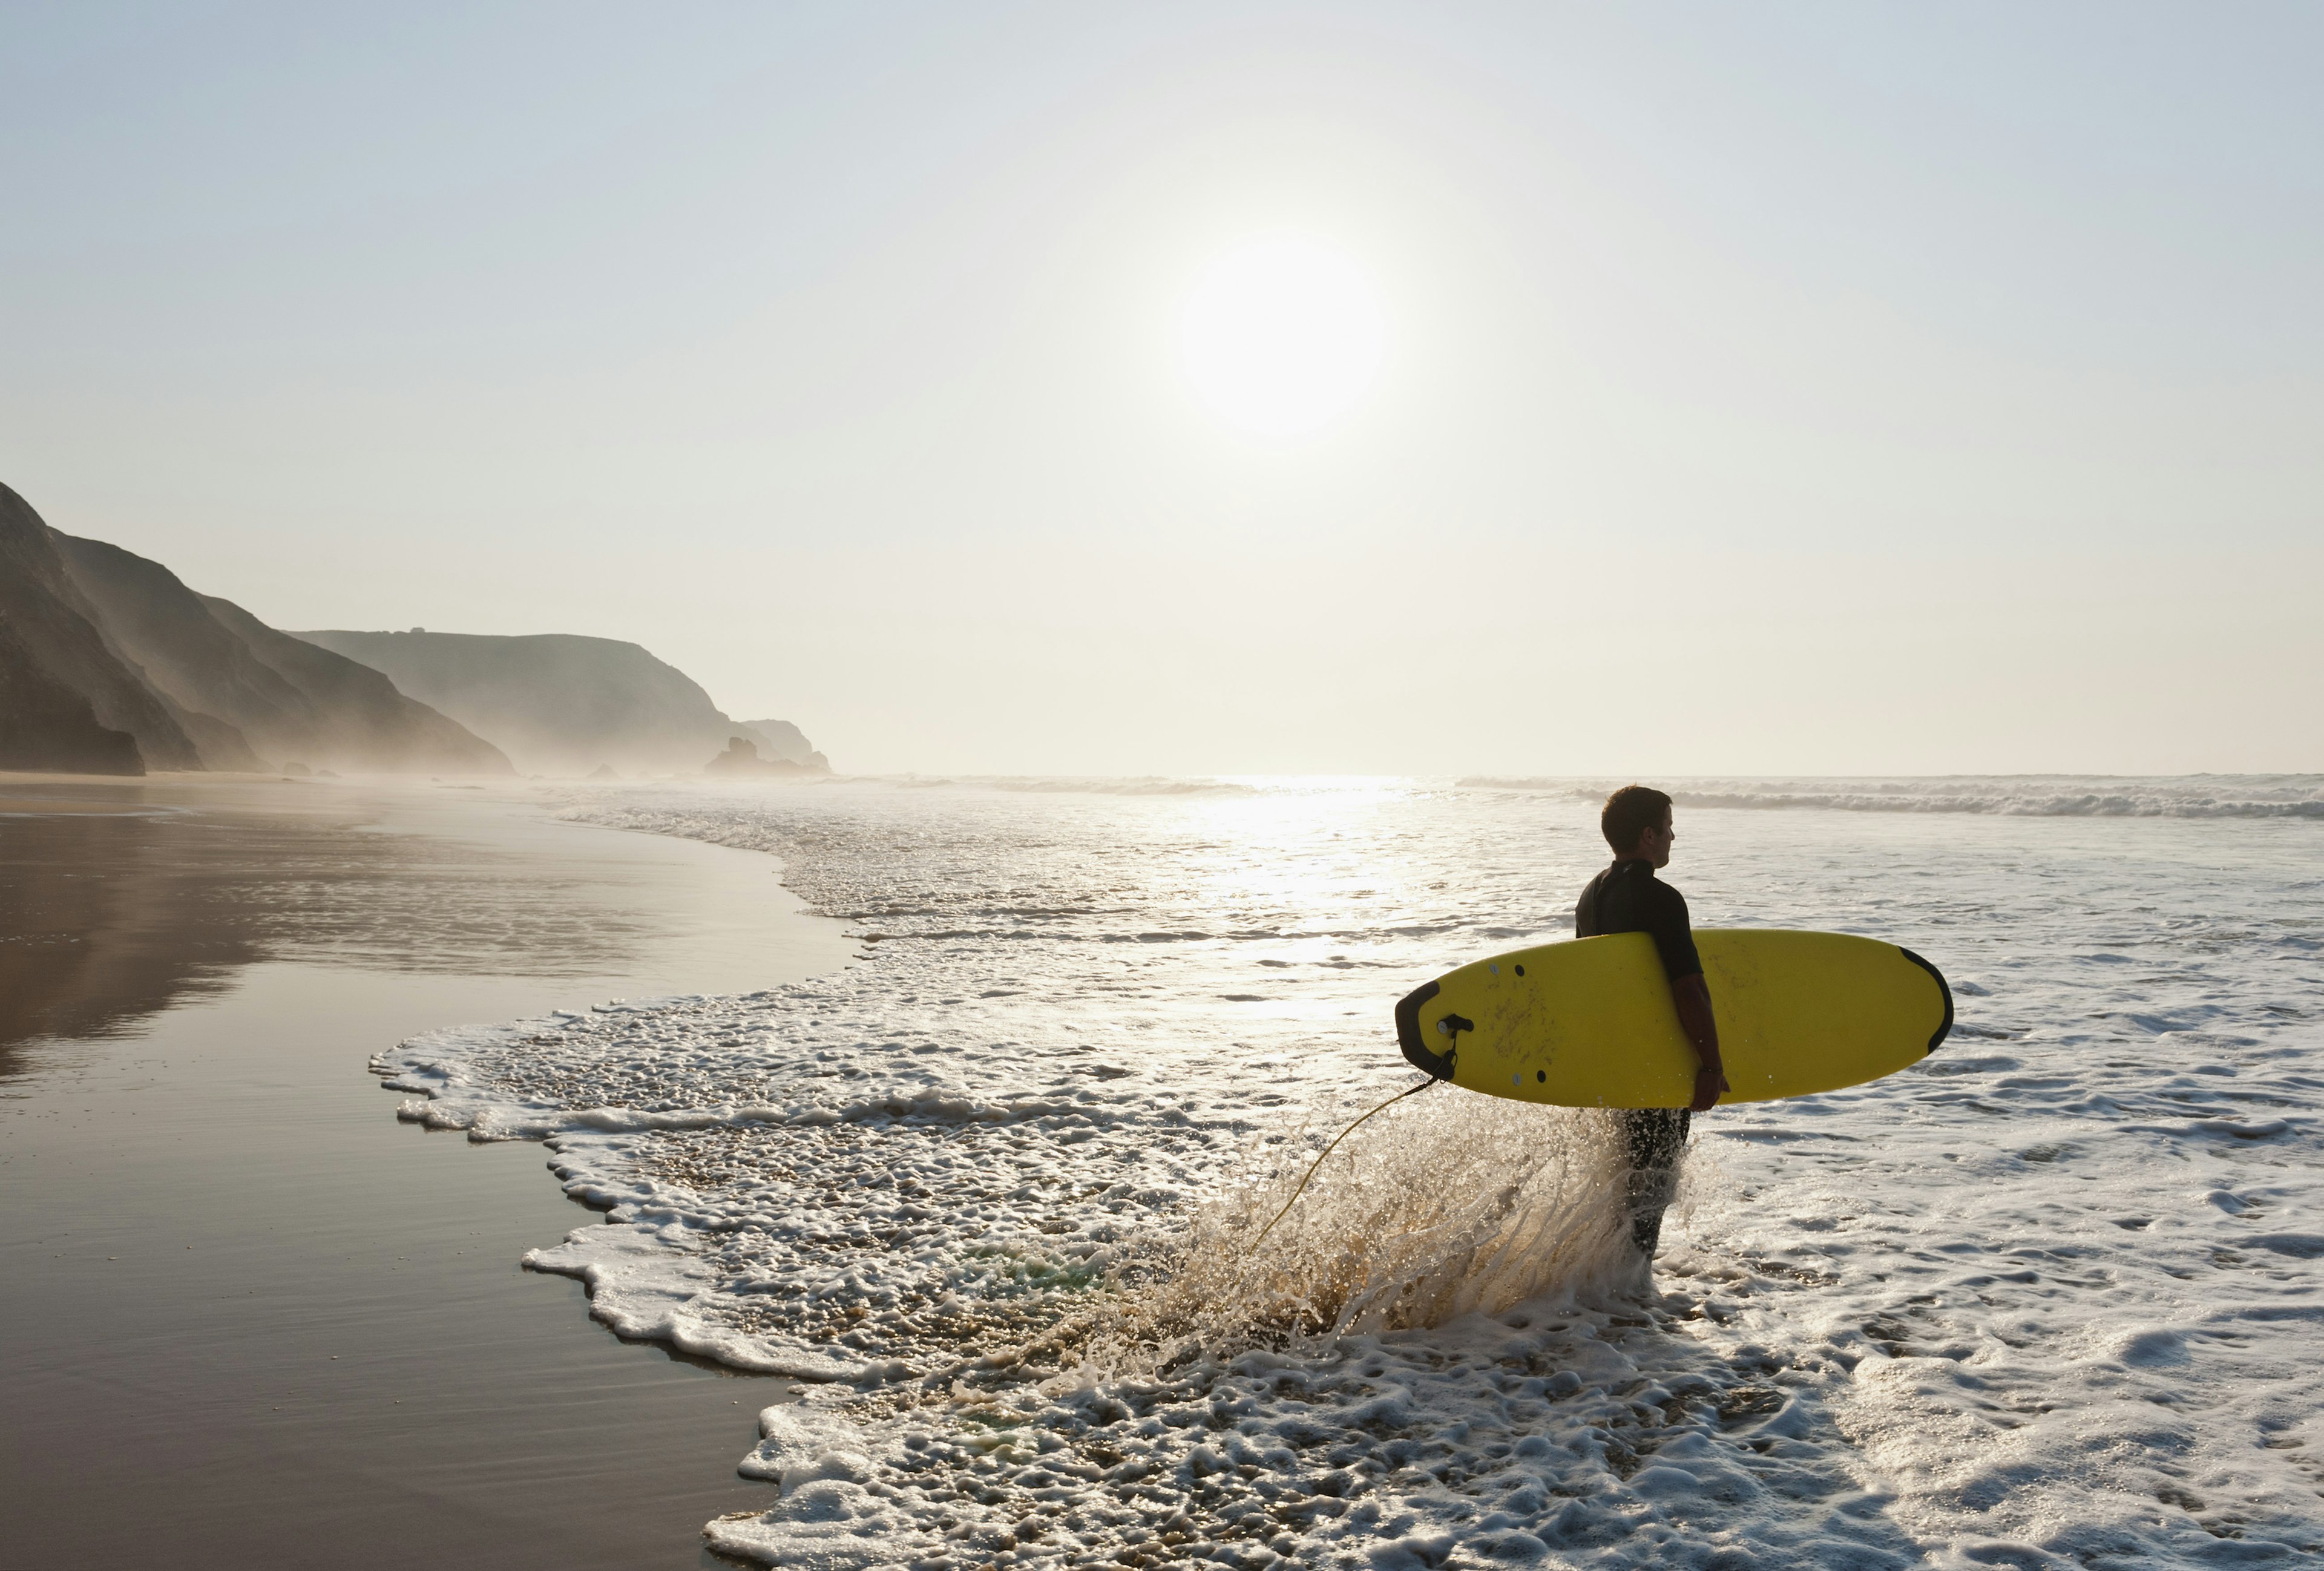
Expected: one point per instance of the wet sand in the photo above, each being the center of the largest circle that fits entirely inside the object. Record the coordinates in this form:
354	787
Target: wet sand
254	1320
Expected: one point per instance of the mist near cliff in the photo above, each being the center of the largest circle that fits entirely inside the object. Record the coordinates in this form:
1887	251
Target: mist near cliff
565	703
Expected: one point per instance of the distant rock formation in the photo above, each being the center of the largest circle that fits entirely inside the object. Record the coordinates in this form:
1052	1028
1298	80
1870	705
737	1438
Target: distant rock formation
108	663
742	758
781	739
558	703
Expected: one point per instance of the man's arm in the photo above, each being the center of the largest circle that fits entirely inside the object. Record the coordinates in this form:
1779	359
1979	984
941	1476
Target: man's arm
1675	938
1693	996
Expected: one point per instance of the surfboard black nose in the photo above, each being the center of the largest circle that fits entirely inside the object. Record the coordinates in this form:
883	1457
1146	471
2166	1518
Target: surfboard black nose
1417	1052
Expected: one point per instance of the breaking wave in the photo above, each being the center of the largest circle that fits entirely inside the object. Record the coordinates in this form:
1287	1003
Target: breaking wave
2253	796
1079	785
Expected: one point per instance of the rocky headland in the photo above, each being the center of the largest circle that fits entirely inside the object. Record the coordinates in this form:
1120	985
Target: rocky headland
563	703
110	664
259	696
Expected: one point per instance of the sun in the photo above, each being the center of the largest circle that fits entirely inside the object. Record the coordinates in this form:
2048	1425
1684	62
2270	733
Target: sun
1281	335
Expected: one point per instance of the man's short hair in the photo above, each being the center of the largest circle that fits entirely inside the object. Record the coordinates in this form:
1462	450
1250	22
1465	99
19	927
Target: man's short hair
1629	813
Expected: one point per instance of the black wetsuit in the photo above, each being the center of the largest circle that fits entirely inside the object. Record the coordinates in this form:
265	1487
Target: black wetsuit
1627	898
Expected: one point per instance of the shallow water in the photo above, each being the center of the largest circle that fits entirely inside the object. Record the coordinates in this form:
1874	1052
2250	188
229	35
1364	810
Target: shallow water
252	1321
2049	1299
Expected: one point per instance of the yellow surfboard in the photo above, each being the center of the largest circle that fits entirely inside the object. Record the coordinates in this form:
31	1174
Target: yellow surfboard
1590	1022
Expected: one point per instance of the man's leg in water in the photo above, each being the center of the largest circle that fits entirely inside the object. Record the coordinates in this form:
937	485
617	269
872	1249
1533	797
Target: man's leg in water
1656	1138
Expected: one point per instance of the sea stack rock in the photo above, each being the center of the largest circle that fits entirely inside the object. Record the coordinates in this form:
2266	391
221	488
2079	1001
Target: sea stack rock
742	758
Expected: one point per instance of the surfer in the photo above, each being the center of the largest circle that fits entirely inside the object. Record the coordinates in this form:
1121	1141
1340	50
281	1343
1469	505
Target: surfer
1627	898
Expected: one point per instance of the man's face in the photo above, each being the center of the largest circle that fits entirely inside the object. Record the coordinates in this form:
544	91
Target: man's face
1654	843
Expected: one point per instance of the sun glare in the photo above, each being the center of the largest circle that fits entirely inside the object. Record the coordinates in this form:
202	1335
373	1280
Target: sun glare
1282	334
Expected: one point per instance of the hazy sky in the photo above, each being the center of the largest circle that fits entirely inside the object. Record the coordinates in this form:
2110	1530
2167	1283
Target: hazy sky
1758	388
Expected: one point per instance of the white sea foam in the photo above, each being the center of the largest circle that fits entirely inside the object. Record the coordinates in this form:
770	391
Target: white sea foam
2049	1298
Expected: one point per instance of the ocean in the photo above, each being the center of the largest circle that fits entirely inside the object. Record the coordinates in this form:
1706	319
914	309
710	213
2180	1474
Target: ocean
998	1192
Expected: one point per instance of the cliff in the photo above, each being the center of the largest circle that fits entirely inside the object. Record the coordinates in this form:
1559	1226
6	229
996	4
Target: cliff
558	703
268	698
69	698
109	663
46	725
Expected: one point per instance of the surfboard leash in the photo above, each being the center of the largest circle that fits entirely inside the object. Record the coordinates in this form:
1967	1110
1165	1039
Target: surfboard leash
1327	1150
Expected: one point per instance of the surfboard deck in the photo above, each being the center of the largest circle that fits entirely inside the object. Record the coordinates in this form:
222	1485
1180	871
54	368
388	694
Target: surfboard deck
1590	1022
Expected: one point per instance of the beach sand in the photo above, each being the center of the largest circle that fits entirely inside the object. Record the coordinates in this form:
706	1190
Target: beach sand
253	1319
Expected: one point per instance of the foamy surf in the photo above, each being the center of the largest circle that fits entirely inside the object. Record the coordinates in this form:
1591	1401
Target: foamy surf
2256	795
2047	1299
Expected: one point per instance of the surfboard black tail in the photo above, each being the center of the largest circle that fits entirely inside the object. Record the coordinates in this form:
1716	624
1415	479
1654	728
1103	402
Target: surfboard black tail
1435	1066
1943	1030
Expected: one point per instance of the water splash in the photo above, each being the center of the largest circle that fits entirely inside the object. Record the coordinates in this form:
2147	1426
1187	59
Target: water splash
1438	1208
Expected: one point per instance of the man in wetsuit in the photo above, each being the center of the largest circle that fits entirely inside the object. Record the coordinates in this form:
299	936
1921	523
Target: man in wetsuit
1627	898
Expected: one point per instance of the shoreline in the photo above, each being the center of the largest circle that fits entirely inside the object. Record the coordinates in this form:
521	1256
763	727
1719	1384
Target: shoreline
257	1302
